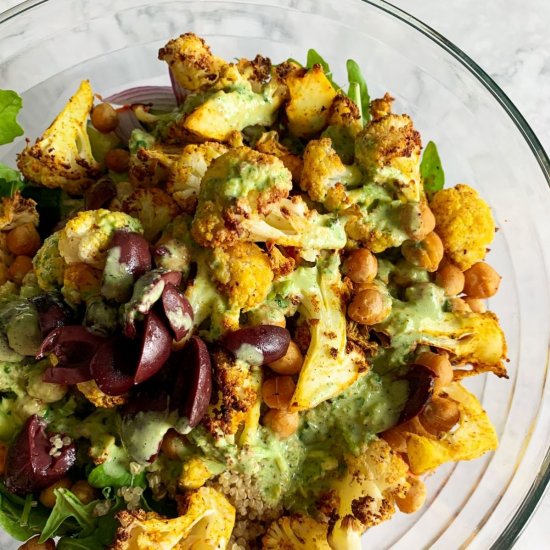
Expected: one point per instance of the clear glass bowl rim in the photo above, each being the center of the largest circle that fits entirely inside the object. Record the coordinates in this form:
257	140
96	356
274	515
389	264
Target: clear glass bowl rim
542	480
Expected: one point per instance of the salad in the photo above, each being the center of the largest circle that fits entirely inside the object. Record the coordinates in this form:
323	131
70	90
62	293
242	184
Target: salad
235	312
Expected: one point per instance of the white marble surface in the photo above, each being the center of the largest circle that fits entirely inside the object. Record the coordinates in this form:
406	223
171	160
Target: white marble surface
510	40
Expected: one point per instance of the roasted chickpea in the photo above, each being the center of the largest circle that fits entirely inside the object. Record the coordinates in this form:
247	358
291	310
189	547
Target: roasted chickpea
290	363
449	278
395	439
427	253
278	391
84	491
172	444
418	220
458	304
23	240
440	365
47	497
439	415
104	118
283	423
415	497
476	304
33	544
117	160
481	281
19	268
361	266
369	306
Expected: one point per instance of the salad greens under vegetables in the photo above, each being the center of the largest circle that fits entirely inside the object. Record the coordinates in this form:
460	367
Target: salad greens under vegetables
234	312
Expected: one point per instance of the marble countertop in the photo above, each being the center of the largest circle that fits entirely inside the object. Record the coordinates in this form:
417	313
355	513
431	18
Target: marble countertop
510	40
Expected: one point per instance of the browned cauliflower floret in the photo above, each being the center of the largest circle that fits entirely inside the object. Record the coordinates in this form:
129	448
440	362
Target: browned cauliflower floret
257	70
16	210
269	144
62	157
81	282
296	532
192	62
99	399
153	207
381	107
465	224
243	274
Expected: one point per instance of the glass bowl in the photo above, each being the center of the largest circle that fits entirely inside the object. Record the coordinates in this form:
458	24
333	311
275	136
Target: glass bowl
48	46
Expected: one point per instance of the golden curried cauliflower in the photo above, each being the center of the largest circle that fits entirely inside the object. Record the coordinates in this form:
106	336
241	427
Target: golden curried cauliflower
49	265
206	519
269	144
296	532
191	61
16	210
62	157
99	399
243	274
81	282
87	236
153	207
465	224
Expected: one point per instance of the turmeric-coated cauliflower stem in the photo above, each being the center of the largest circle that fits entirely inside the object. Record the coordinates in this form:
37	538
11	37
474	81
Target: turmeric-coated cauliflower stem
237	318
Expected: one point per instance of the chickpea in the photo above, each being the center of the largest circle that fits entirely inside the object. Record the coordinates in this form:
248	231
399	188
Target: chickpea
4	273
3	456
23	240
440	365
283	423
427	253
458	304
19	268
395	439
104	118
47	497
33	544
439	415
449	278
361	266
481	281
415	497
290	363
476	304
418	220
84	491
172	444
278	391
369	306
117	160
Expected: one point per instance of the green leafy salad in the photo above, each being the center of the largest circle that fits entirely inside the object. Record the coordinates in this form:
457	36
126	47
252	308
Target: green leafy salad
234	312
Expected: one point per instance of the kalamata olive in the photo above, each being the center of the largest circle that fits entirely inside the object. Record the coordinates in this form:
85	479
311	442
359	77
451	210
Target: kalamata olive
32	463
67	375
192	388
258	345
134	252
421	386
52	312
156	345
100	194
113	366
178	310
147	290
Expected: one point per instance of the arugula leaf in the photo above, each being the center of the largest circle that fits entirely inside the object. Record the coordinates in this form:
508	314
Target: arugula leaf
314	58
10	105
358	90
10	181
431	170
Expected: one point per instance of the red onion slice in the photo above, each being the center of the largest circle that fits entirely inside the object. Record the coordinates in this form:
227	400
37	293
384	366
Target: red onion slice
178	90
161	98
127	123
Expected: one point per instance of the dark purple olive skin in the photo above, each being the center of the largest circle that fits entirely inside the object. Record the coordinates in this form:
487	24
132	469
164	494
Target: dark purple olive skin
113	366
156	345
52	312
100	194
67	375
270	341
421	387
29	465
135	253
178	311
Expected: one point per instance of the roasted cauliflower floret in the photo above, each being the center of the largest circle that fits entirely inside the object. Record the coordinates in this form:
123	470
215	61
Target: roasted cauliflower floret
86	237
16	210
296	532
153	207
367	492
80	283
49	265
243	274
191	61
388	150
325	177
311	95
473	435
269	144
237	385
174	249
206	518
62	157
465	224
99	399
